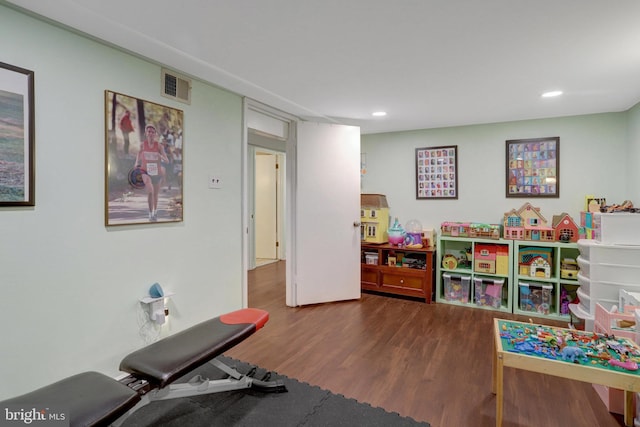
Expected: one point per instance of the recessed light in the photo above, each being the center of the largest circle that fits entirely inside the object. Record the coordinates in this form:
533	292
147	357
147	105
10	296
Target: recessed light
552	93
379	114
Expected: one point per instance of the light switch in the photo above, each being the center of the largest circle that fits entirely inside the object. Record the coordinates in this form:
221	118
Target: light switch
215	181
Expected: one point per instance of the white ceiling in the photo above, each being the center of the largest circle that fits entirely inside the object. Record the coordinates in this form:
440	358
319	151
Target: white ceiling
428	63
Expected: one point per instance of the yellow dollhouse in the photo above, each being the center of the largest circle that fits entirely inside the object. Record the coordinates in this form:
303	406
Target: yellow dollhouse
374	218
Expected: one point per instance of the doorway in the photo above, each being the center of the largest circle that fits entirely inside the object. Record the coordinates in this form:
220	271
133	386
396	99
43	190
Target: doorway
268	207
317	234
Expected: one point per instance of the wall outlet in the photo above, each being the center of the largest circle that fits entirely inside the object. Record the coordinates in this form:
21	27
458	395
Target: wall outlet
215	181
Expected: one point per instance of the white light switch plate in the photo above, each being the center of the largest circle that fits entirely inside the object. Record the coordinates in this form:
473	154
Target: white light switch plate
215	181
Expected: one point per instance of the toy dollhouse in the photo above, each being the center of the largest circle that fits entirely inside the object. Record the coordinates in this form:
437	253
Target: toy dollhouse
454	229
527	223
484	258
374	218
535	261
565	228
487	231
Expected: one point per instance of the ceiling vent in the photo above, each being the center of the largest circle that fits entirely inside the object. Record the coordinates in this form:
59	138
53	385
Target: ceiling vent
176	87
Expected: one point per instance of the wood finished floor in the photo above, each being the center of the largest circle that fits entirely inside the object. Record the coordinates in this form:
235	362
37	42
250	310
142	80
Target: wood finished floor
429	362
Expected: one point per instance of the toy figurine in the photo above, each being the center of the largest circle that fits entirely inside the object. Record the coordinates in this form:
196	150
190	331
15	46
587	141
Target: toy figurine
396	233
572	354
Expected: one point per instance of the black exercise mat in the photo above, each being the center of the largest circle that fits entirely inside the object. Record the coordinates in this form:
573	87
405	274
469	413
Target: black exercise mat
302	405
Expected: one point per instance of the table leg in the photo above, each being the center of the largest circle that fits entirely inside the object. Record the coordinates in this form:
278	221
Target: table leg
628	408
499	391
497	384
494	367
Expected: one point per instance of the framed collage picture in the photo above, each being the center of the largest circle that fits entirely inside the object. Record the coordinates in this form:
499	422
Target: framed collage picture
437	172
533	167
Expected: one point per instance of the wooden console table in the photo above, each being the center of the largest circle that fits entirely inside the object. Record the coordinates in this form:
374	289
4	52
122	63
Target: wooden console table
397	270
585	369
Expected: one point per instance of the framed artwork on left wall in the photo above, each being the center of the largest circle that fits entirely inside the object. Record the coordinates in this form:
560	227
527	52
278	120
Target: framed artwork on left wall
144	146
17	136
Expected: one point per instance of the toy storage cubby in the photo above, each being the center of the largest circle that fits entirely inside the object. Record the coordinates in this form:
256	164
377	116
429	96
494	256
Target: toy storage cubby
474	272
545	278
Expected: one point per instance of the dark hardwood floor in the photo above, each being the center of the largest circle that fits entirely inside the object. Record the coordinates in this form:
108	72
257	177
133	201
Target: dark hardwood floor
429	362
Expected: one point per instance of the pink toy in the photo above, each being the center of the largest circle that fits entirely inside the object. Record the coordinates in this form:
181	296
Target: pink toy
628	364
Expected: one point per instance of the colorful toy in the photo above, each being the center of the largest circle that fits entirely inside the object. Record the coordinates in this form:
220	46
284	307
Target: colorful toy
485	258
572	354
527	223
413	234
602	351
487	231
565	300
628	364
450	262
374	218
536	298
565	228
456	287
569	269
488	292
396	233
529	254
454	229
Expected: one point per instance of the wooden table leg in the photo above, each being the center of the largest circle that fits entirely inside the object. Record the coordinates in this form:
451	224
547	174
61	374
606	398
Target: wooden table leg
628	408
497	383
494	367
499	390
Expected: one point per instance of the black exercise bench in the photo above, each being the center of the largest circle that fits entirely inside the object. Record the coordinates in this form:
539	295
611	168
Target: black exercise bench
94	399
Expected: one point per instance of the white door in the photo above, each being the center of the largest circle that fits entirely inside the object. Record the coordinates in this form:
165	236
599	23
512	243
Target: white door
266	205
325	215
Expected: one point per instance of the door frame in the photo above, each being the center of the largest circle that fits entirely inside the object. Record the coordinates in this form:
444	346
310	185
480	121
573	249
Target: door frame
251	106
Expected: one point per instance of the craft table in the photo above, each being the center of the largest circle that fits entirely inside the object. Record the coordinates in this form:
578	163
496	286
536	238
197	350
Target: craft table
504	355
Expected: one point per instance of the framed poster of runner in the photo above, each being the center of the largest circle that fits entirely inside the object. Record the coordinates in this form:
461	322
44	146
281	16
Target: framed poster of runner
144	146
437	172
533	167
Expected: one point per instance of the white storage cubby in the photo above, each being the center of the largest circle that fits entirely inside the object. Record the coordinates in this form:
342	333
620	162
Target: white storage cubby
605	271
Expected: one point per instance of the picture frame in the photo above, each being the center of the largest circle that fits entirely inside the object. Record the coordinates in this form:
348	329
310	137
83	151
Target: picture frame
144	148
17	136
533	167
437	172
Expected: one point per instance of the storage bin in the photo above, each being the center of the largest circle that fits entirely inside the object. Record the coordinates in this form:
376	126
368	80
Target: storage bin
456	287
622	228
585	283
594	251
588	302
488	292
580	319
371	258
629	298
536	297
607	272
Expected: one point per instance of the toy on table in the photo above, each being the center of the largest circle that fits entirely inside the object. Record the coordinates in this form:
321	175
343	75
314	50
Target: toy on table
584	348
